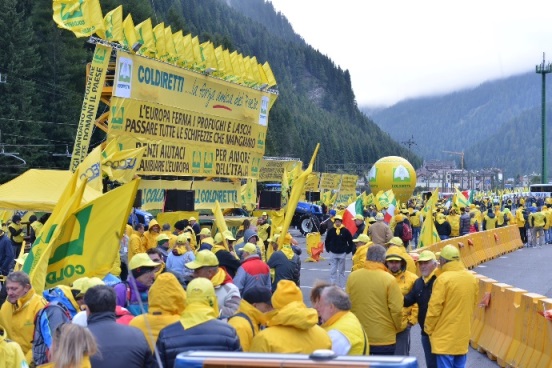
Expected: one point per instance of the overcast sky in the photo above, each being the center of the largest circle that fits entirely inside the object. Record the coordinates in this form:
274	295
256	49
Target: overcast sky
401	49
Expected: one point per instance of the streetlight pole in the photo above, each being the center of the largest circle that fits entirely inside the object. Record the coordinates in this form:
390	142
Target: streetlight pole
543	69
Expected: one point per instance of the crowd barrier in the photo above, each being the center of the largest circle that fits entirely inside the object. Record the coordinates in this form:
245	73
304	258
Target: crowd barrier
508	324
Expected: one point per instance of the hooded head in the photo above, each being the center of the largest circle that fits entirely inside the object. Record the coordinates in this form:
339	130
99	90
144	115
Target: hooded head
441	218
393	255
201	291
286	292
167	295
248	234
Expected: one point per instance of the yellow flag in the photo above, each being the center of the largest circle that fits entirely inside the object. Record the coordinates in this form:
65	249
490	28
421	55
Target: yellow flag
255	70
159	38
129	32
198	62
169	46
221	63
430	204
121	166
264	79
220	222
113	26
284	193
88	242
269	74
36	264
249	77
236	67
428	233
82	17
144	32
249	194
296	193
178	40
208	55
89	171
187	56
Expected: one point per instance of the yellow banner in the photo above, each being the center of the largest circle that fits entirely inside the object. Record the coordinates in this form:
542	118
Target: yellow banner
345	197
172	217
150	80
206	193
272	170
90	103
330	181
348	183
83	18
312	183
184	143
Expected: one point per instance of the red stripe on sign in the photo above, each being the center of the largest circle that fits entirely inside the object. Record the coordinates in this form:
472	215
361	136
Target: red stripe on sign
222	107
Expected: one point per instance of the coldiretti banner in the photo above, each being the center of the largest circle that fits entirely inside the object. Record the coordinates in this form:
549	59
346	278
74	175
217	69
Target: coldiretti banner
330	181
312	182
206	193
272	170
348	183
90	103
186	143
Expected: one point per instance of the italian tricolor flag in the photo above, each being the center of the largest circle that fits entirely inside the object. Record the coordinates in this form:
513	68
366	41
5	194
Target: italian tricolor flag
351	211
388	215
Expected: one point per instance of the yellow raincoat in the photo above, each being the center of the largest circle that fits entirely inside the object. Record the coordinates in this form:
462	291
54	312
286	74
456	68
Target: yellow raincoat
377	302
151	237
167	300
450	310
349	325
11	354
243	327
294	330
18	319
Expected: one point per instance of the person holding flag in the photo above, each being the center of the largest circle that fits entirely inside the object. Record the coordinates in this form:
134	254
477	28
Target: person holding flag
339	243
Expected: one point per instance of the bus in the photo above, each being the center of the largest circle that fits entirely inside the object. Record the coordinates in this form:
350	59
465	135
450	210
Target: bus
540	188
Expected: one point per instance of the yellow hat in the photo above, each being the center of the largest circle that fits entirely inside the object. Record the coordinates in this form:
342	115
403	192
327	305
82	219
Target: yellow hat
371	220
399	218
338	217
228	235
141	260
162	237
250	248
379	216
362	238
208	240
192	218
183	238
393	254
286	292
85	283
426	255
396	241
359	217
204	258
450	253
264	214
218	238
205	231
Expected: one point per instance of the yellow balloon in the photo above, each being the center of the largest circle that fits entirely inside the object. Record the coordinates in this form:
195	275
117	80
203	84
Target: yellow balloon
393	172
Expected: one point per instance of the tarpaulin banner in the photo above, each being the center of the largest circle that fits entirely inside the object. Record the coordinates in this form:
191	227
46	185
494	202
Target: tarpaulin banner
272	170
312	182
330	181
206	193
348	183
90	103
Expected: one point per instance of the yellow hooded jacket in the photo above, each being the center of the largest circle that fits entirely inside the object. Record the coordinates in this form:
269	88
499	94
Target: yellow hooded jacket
450	310
11	354
151	237
167	300
242	325
137	243
359	258
377	302
292	329
454	221
18	319
410	264
520	220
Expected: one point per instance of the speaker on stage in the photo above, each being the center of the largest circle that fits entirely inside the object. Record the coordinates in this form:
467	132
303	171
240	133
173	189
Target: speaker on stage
312	196
138	199
179	200
269	200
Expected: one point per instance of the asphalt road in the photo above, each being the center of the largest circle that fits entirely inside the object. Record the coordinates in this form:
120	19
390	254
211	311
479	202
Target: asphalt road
526	268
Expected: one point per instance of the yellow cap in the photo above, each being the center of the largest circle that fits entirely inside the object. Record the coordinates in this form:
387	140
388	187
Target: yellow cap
362	238
201	291
192	218
208	240
183	238
450	253
338	217
286	292
371	220
396	241
264	214
204	258
426	255
205	231
250	248
141	260
228	235
85	283
379	216
161	237
218	238
359	217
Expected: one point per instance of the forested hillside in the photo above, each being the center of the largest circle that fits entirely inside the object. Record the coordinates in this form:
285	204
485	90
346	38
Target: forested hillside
497	124
45	69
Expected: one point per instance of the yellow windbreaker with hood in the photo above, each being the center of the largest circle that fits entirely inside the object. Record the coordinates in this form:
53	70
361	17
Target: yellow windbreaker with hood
294	330
450	310
151	237
405	280
243	327
18	320
167	300
348	324
377	302
11	355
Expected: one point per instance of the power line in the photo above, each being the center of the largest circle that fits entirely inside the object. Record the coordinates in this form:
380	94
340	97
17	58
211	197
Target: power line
28	137
37	121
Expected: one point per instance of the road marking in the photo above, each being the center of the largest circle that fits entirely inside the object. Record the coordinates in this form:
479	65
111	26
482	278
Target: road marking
482	266
503	257
306	287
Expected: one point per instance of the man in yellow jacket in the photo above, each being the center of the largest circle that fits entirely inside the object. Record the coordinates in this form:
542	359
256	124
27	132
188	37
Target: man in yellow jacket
293	327
348	336
405	279
450	310
167	300
363	242
377	302
537	222
18	311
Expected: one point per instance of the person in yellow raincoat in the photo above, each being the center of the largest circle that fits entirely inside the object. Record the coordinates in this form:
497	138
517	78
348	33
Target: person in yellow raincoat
72	346
251	316
293	327
11	355
363	242
167	300
18	311
450	311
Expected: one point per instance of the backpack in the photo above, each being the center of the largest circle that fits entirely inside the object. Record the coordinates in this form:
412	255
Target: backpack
45	324
406	232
